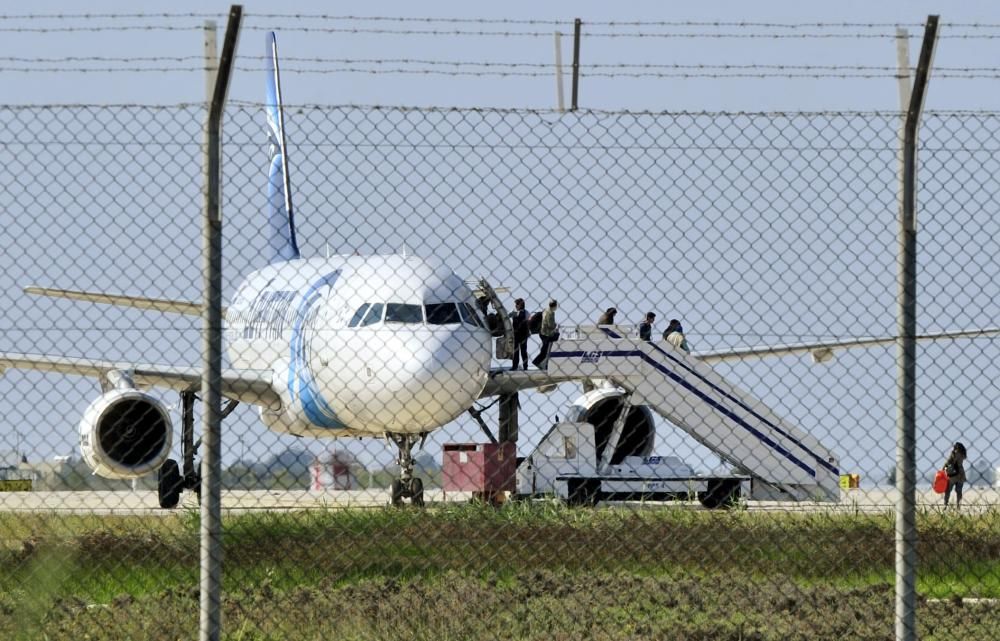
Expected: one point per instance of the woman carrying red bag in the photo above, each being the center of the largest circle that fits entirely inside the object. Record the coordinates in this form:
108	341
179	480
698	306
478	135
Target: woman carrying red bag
954	469
940	482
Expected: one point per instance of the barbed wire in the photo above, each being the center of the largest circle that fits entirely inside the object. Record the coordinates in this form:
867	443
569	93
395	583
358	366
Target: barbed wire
535	111
547	70
512	21
502	34
875	70
507	34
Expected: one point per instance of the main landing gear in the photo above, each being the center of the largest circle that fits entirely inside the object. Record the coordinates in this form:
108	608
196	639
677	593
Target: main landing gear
407	486
173	478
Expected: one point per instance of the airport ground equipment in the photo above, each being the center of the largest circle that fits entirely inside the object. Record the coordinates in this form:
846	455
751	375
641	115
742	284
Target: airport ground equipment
566	464
485	469
783	461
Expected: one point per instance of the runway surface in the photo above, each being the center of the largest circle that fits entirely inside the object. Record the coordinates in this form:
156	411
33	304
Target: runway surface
876	500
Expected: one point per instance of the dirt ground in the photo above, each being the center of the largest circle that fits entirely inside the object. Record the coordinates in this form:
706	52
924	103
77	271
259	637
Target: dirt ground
537	605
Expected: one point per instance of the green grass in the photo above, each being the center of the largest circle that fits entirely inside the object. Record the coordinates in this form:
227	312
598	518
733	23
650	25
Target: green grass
53	567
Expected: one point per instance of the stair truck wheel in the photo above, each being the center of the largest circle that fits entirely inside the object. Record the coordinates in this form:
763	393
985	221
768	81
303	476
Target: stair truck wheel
721	493
583	492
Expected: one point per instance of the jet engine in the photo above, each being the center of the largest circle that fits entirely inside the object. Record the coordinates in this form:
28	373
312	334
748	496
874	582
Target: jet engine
125	433
601	407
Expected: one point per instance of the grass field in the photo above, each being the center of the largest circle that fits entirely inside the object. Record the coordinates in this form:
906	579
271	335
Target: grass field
526	571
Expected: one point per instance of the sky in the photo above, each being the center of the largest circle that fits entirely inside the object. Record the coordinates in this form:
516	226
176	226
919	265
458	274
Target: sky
328	39
815	292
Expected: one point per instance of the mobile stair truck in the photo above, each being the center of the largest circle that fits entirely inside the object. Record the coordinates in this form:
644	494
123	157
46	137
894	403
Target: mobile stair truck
771	458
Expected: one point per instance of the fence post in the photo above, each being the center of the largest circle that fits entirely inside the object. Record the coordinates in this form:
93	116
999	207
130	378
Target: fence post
560	103
576	64
211	467
906	521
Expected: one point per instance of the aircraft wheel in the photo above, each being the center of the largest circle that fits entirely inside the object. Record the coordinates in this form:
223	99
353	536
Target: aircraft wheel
722	493
396	493
417	492
169	485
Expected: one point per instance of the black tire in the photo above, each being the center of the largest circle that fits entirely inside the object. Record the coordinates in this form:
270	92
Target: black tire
417	492
721	493
169	485
396	493
583	492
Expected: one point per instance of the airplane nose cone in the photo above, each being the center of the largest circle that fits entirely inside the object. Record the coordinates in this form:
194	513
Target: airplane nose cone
440	374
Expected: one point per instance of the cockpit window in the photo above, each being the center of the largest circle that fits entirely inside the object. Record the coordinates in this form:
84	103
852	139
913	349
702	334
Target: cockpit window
442	314
358	315
374	314
402	313
470	316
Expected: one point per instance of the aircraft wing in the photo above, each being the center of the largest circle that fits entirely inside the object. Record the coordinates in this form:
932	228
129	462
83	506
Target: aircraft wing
245	385
121	300
822	351
504	381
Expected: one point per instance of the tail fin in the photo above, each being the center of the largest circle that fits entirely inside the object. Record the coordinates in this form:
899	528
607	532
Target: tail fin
281	222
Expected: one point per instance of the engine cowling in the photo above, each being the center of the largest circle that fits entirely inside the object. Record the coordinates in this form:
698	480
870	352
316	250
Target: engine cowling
600	408
125	434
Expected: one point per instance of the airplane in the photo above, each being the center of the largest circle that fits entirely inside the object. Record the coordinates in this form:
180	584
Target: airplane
385	346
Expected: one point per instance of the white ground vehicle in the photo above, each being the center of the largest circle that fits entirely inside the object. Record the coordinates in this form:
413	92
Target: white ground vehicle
566	463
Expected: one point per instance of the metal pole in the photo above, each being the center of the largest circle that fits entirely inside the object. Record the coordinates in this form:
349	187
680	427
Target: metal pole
560	102
211	467
906	519
903	64
576	64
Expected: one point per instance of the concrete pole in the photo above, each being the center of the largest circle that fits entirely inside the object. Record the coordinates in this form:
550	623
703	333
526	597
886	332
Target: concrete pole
211	467
211	66
906	518
560	101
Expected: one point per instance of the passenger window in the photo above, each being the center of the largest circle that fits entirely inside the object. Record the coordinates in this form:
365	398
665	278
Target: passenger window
358	315
374	315
442	314
471	317
401	313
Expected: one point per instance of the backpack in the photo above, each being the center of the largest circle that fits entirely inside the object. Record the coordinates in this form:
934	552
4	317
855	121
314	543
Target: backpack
535	322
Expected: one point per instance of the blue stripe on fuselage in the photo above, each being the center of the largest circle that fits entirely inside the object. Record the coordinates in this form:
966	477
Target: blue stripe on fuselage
300	375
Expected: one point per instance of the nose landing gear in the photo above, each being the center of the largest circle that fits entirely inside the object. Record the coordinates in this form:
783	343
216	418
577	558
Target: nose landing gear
407	486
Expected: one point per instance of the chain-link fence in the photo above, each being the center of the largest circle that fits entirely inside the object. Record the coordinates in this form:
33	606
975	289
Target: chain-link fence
567	498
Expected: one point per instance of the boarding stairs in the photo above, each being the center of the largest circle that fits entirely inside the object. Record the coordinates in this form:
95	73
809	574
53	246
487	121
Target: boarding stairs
784	462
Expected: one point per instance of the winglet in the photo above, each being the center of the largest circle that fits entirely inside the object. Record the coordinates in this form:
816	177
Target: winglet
281	221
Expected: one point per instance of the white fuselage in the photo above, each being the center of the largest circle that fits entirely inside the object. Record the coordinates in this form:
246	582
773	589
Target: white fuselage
361	345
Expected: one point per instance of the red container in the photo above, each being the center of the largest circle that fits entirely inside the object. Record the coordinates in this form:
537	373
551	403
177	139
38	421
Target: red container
479	467
940	482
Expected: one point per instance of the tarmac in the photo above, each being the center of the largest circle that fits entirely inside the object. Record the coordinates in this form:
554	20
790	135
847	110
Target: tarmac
877	500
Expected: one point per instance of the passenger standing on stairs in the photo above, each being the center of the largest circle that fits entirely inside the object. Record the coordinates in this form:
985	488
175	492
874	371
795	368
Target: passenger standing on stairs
519	320
607	317
549	333
674	334
646	327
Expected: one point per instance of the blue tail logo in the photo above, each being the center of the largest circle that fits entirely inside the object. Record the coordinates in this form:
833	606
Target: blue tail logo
280	219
